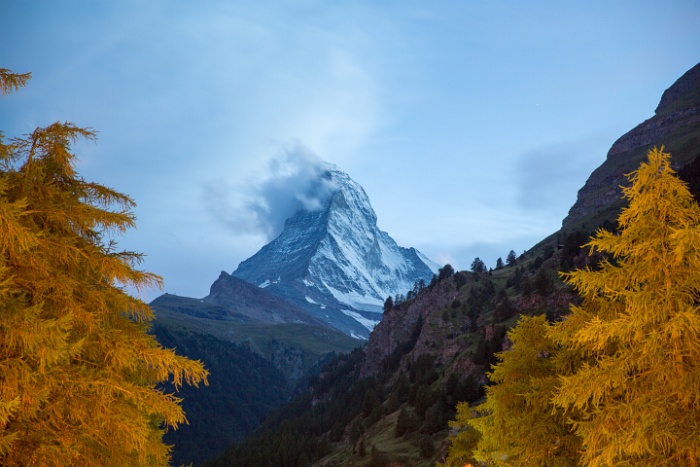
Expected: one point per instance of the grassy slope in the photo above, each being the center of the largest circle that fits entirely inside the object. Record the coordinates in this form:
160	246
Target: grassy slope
313	341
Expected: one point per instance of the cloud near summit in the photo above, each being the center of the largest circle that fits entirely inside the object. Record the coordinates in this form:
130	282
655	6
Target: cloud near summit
293	181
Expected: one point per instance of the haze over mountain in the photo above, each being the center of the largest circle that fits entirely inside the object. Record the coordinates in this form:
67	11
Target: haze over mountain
330	265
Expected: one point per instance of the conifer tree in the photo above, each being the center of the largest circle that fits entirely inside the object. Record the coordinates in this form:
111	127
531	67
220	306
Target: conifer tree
78	371
638	330
499	263
463	439
518	424
478	266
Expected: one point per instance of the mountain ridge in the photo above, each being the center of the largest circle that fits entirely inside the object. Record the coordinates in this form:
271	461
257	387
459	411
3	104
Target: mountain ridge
334	262
675	125
236	294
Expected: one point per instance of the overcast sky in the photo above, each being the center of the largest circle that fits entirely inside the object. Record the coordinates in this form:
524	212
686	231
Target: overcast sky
471	125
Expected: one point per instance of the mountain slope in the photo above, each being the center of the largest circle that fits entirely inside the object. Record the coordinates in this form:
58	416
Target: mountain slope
293	348
254	366
388	405
258	304
335	262
675	125
243	387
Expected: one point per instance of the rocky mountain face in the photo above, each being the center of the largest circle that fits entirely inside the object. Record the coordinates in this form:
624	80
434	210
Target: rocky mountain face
335	263
675	125
415	322
232	293
233	299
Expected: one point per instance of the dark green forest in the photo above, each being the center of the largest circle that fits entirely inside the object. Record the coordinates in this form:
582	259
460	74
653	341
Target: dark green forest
243	387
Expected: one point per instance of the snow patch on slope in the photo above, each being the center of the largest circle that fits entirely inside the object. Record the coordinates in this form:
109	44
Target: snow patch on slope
356	299
338	257
355	336
368	323
428	262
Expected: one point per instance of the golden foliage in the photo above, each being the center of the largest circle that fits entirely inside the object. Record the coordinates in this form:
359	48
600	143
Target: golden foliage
10	82
638	330
78	371
518	425
463	438
617	382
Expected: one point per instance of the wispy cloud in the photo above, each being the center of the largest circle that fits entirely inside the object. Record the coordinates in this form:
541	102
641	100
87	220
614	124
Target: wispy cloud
294	181
542	175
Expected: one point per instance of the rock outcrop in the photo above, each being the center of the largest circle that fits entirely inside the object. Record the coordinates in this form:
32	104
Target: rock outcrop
418	325
676	126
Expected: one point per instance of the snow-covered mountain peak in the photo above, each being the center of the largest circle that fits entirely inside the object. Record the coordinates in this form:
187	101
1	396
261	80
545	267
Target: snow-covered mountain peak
334	261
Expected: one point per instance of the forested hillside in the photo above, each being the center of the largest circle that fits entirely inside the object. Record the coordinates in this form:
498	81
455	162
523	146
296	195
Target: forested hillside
396	406
243	387
392	401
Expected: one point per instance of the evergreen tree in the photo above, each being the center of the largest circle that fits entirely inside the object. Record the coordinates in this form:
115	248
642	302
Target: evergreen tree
543	283
638	330
361	449
370	402
388	304
445	272
518	425
463	439
78	371
478	266
424	399
402	423
526	286
512	258
418	286
461	279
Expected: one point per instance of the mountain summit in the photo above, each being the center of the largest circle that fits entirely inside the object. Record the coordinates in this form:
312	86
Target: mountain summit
334	261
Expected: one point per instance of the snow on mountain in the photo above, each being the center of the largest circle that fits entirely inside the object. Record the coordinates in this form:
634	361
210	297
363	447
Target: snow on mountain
336	257
368	323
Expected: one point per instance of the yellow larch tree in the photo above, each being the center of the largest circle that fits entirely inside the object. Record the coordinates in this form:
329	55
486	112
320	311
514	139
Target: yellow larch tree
518	425
463	439
78	370
636	399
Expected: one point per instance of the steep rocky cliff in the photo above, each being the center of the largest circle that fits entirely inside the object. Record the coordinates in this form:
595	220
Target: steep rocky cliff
417	324
675	125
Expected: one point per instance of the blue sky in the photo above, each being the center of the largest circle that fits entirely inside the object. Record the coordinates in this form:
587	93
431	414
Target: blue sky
470	124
